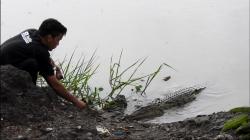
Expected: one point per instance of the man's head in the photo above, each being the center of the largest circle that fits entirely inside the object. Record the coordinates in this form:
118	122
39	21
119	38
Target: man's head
51	32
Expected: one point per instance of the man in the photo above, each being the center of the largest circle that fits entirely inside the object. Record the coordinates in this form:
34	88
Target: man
29	51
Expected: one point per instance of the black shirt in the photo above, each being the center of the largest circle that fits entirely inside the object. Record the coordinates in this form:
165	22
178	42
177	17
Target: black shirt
24	46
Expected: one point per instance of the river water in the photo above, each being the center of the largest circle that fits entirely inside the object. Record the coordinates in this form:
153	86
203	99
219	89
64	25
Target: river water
207	42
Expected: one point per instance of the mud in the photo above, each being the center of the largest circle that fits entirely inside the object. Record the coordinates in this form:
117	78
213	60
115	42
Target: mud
30	112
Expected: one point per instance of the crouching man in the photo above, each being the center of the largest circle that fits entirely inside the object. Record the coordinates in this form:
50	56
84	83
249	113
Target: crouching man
29	51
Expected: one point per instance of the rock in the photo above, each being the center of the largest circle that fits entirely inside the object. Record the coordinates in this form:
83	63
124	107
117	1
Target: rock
21	83
146	125
195	131
121	101
224	137
134	99
28	129
245	137
70	116
204	138
216	128
21	137
201	120
79	127
46	130
116	113
89	134
118	104
188	138
137	106
89	138
244	129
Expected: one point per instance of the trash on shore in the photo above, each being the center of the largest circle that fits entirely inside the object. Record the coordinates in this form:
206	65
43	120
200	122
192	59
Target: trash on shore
102	130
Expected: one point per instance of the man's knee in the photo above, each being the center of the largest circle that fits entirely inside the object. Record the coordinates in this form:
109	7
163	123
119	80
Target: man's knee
31	66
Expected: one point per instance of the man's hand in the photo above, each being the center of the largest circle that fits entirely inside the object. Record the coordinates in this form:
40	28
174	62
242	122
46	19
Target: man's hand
59	75
63	92
80	104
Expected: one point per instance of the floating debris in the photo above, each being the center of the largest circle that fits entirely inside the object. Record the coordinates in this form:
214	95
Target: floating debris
166	78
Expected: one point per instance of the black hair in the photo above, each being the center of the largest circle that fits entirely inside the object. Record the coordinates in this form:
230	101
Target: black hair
51	27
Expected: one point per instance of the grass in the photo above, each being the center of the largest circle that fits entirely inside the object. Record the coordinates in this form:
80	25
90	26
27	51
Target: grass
240	109
118	80
240	124
235	122
77	77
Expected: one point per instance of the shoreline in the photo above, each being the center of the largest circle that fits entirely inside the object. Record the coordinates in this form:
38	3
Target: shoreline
29	112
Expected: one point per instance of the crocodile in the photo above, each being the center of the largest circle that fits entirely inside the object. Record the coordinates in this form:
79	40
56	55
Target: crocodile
156	108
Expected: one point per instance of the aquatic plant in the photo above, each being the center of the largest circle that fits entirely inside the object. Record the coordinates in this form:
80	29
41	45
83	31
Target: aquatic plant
77	76
120	79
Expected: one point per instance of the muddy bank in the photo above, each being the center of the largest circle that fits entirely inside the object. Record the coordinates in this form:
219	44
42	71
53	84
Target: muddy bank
29	112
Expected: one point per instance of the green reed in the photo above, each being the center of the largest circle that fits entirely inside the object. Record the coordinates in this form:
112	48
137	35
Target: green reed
118	80
77	77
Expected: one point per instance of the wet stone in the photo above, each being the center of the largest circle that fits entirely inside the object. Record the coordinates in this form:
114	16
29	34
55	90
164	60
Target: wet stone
21	137
224	137
89	134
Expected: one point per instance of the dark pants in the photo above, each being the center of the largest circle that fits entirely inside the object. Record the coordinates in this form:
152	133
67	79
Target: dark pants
31	66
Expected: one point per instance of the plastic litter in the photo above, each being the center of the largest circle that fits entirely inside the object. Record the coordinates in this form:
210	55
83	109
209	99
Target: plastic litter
79	127
102	130
48	129
119	133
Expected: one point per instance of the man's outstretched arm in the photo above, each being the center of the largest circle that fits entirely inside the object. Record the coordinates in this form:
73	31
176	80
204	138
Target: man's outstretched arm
59	75
63	92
